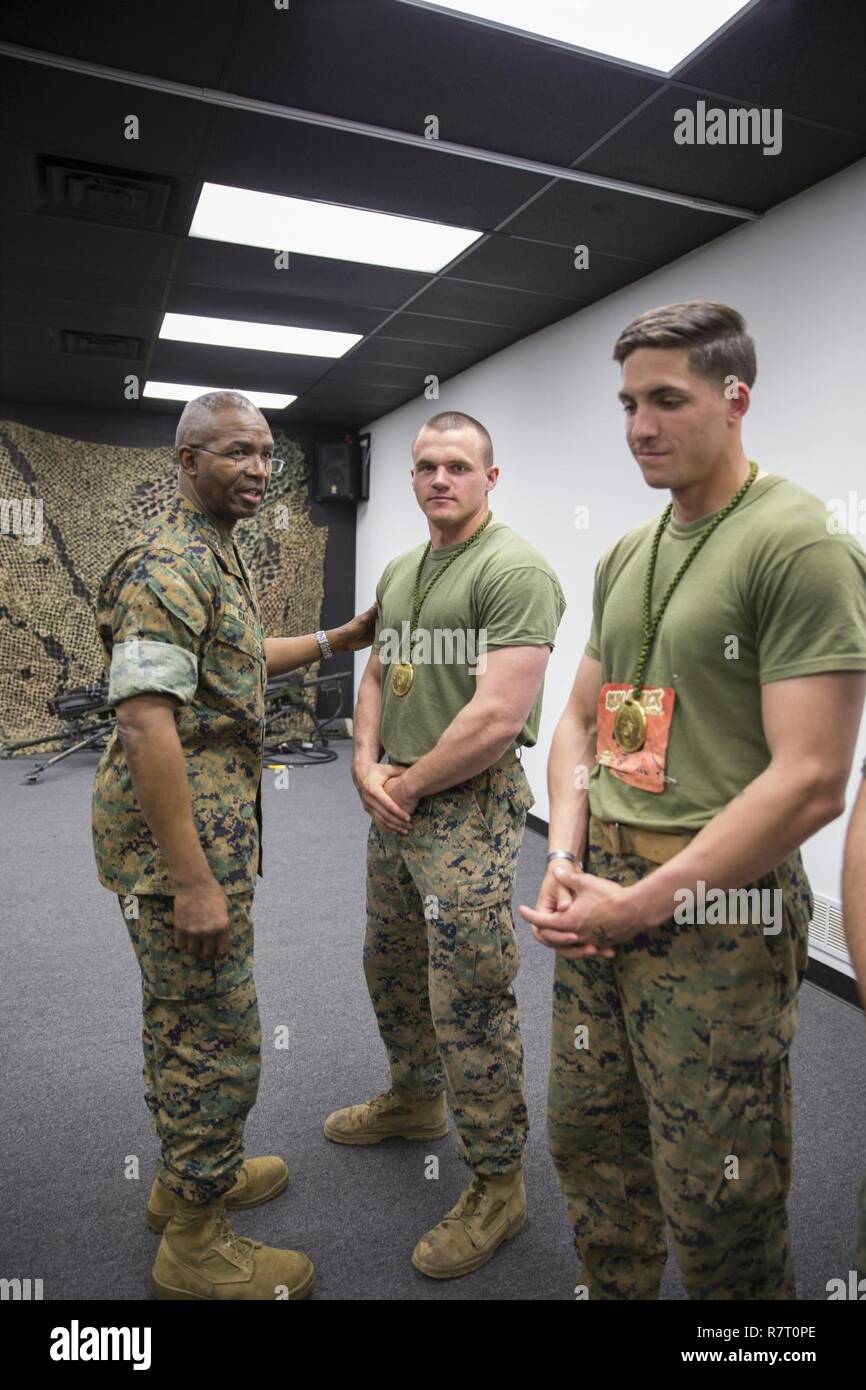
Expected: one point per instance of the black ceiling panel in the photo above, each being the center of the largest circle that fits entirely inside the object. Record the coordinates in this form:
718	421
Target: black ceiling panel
456	332
271	371
393	65
806	56
42	282
64	380
493	304
386	396
250	269
21	310
617	224
644	151
305	161
94	228
314	413
440	358
85	117
184	40
514	262
81	248
263	308
363	372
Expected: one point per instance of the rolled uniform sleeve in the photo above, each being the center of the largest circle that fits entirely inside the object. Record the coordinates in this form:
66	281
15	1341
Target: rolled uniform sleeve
159	613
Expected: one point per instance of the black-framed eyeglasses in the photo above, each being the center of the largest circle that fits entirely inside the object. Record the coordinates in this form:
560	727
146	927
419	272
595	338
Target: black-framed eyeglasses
238	457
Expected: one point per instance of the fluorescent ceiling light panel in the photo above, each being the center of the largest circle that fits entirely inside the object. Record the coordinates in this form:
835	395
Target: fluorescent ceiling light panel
249	218
654	33
177	391
262	337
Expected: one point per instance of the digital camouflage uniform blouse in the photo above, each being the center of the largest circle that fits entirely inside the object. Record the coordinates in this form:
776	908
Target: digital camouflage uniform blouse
177	615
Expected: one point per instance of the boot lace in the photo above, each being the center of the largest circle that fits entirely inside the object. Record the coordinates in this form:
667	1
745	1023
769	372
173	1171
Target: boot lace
380	1102
241	1246
472	1197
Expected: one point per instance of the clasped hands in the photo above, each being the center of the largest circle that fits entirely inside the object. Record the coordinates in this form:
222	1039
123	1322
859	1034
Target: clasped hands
385	797
578	914
575	914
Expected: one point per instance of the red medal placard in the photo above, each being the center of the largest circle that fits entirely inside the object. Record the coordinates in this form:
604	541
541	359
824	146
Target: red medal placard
644	768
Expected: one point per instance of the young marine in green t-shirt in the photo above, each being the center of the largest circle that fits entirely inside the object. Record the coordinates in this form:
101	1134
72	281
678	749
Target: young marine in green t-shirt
710	731
451	691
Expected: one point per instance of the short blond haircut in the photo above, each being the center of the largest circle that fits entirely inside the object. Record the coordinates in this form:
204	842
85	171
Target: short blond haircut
456	420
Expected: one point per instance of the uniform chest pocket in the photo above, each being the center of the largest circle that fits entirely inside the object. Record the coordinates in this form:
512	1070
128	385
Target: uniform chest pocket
234	663
234	631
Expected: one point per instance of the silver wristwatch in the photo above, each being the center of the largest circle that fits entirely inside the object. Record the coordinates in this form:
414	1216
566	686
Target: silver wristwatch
324	645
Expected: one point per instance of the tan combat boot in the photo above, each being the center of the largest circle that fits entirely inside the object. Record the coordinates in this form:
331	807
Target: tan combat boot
389	1116
490	1211
258	1180
201	1257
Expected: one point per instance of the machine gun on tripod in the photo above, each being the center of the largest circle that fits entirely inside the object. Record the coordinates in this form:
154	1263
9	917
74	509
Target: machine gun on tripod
88	720
284	696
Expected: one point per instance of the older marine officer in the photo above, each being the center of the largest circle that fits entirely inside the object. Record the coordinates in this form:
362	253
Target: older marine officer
176	824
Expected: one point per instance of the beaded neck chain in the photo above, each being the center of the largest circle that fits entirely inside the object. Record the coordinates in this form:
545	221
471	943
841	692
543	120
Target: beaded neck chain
417	600
650	624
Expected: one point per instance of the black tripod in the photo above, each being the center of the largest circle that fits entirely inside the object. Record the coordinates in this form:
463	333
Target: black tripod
78	709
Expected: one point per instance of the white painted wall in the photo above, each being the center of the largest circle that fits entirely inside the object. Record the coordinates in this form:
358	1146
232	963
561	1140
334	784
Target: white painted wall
558	431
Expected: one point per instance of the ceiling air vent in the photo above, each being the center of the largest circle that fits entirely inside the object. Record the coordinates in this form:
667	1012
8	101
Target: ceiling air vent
101	345
97	193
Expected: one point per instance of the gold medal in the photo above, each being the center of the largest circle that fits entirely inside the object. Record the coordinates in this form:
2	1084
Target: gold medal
402	677
629	727
403	674
630	724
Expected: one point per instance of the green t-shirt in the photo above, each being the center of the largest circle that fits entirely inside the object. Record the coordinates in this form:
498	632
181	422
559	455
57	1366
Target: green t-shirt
498	593
772	595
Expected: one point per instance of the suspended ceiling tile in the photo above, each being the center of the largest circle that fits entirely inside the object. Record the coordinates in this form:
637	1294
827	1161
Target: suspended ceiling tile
644	151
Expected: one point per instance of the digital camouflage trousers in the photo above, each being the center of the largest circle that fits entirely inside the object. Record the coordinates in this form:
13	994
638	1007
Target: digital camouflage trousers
202	1047
440	955
669	1094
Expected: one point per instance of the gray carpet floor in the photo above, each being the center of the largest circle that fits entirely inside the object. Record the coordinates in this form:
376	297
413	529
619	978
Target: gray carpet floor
73	1111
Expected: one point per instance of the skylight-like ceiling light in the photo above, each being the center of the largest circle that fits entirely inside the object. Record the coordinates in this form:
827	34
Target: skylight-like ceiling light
177	391
653	33
262	337
250	218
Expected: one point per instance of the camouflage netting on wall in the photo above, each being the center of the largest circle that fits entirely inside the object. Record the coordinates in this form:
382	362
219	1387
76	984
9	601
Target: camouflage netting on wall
94	498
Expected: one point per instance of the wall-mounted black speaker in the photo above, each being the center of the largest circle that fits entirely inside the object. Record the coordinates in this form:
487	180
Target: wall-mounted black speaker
341	472
337	472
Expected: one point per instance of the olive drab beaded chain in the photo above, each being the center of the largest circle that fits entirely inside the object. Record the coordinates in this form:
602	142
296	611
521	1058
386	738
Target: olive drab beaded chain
629	727
404	672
